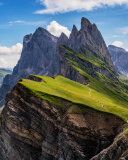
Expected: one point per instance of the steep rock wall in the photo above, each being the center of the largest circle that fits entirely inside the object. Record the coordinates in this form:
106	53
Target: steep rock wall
35	129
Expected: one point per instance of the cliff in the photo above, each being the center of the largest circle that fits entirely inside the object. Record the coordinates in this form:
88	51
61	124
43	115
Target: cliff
120	59
38	57
76	115
41	54
42	122
89	37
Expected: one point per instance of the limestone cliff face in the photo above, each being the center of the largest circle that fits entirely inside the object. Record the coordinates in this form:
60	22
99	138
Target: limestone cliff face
117	151
38	57
41	55
120	59
88	36
67	70
82	61
34	129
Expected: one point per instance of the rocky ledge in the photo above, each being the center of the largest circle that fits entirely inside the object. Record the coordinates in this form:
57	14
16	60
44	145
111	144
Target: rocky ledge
32	128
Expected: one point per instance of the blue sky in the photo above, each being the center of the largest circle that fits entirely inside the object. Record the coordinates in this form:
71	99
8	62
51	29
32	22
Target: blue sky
21	17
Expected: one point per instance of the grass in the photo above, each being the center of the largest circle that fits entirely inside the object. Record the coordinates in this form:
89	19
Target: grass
126	132
102	94
87	59
59	88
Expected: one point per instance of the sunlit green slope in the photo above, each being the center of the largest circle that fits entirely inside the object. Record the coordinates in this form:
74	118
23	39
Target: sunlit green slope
95	95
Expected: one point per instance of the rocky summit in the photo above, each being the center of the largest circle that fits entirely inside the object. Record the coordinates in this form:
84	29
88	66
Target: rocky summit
41	55
76	111
120	59
39	51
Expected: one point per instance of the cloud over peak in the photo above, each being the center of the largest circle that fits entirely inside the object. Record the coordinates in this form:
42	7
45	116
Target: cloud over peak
56	29
61	6
10	56
117	43
14	50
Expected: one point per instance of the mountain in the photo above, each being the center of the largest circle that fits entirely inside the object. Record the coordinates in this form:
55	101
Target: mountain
52	118
120	59
90	37
3	73
40	55
79	113
37	57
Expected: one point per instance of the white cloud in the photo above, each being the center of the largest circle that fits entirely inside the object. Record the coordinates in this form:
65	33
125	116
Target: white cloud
19	21
33	23
123	30
3	63
117	43
114	36
8	63
56	29
14	50
55	6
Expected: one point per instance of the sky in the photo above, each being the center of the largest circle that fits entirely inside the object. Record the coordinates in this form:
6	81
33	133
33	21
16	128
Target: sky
21	17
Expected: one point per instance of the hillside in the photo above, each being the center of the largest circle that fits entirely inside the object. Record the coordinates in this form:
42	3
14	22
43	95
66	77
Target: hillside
41	55
79	113
56	118
95	95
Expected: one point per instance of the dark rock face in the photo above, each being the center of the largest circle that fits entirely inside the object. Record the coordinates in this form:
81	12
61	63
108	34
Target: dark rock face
38	57
120	59
32	129
88	35
67	70
117	151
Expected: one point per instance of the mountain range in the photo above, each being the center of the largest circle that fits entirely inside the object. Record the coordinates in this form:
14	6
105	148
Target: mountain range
72	106
40	55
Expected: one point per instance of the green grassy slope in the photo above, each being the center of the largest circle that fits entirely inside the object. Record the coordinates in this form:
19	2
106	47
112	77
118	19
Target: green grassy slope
105	92
95	95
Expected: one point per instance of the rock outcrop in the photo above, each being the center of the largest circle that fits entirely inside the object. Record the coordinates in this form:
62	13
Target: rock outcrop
32	128
117	151
89	37
89	62
120	59
40	55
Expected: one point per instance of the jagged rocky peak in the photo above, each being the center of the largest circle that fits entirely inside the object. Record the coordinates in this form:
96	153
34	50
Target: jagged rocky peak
88	37
85	23
27	38
38	53
74	34
63	40
42	31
